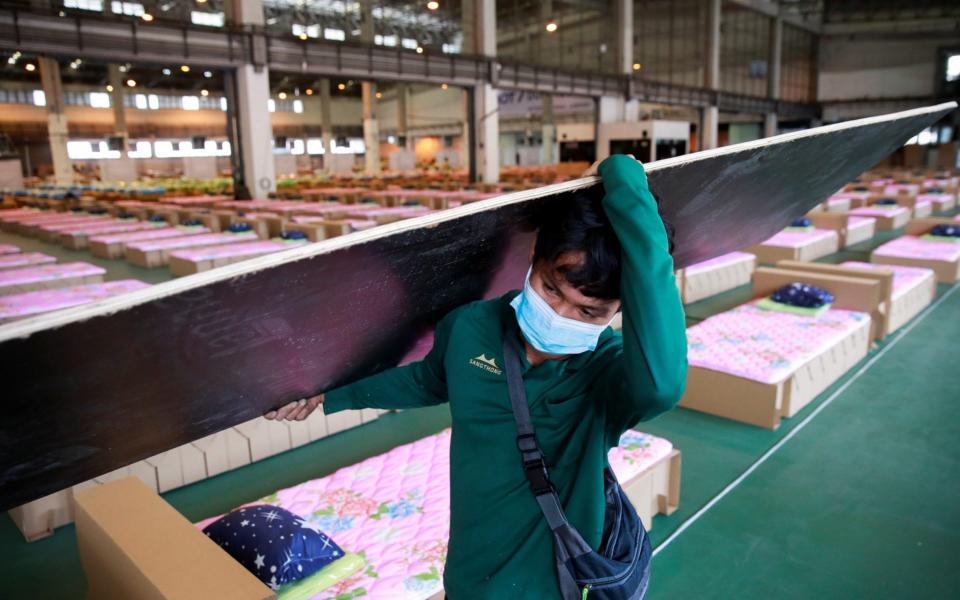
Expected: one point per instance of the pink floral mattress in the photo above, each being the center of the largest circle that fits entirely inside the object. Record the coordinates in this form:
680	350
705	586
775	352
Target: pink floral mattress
206	239
940	182
9	249
75	225
394	509
51	218
879	211
32	303
799	239
766	345
155	234
117	227
232	250
854	221
936	198
26	259
188	200
896	188
909	246
904	278
724	260
48	273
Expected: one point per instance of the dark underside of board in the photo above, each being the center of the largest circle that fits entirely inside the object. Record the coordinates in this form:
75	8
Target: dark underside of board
97	394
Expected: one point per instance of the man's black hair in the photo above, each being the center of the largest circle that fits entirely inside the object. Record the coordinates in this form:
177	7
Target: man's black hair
578	223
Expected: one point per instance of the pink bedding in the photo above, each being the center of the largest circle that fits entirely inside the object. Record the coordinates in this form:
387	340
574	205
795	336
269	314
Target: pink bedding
33	303
233	250
26	259
854	221
909	246
9	249
938	199
724	260
206	239
75	225
907	188
47	273
395	509
904	278
766	345
798	239
156	234
113	227
879	211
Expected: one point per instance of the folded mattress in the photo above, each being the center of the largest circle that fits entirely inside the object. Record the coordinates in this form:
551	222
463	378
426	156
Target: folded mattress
905	279
909	246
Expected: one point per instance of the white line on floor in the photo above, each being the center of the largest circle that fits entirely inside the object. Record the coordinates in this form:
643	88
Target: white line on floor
763	458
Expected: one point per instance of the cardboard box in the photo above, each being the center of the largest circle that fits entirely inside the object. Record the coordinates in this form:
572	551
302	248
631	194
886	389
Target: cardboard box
134	545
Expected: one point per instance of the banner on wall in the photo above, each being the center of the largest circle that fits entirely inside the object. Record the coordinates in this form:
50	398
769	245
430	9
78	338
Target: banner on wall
514	105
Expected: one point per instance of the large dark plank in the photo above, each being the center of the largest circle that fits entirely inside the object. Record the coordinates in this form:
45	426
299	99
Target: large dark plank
91	389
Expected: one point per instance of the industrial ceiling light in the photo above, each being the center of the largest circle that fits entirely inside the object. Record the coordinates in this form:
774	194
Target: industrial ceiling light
208	74
379	94
419	49
166	71
433	5
131	83
109	88
342	86
443	86
303	36
282	95
30	67
636	66
185	68
201	1
552	25
204	93
309	92
147	17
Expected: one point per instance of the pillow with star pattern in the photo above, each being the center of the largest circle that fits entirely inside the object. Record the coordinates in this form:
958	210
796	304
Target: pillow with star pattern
274	544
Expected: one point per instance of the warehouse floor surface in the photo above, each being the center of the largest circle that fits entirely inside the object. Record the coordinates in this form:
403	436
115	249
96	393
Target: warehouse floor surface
858	496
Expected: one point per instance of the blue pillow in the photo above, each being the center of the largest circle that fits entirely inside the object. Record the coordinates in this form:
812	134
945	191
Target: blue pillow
801	222
273	543
886	202
946	230
802	295
158	219
293	235
239	228
934	190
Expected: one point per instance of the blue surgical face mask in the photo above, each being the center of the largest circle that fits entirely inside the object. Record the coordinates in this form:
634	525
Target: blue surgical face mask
549	332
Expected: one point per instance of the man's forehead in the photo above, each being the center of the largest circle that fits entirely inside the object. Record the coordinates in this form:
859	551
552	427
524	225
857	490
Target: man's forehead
553	270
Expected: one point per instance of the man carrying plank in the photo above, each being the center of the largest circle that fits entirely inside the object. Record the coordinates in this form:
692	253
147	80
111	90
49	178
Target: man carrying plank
585	384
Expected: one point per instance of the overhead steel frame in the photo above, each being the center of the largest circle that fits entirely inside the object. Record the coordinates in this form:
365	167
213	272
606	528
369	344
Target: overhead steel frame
123	40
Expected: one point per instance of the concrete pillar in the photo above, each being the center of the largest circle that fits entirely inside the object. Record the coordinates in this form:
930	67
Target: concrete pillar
57	129
624	36
548	152
710	119
253	116
480	38
116	102
326	121
371	130
403	108
711	76
774	64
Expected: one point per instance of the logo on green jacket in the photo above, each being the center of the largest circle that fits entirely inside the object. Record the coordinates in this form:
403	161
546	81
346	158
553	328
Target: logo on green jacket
487	364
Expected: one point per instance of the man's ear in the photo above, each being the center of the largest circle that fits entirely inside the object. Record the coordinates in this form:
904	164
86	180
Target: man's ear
533	246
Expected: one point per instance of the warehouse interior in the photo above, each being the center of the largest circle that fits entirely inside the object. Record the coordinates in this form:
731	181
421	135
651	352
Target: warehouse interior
149	143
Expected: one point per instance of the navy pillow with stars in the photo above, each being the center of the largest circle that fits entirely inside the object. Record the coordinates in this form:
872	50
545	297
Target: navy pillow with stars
274	544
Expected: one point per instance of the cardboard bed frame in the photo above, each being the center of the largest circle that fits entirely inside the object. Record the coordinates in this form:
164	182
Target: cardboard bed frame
947	271
893	313
849	235
770	254
764	404
134	545
702	283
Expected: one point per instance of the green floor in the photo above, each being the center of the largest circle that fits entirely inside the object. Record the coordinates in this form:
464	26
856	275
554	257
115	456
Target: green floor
862	502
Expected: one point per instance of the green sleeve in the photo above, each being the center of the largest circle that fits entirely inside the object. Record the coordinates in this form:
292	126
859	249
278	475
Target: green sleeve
645	376
418	384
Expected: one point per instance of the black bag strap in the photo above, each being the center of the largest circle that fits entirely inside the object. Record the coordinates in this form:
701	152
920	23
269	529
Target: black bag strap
534	465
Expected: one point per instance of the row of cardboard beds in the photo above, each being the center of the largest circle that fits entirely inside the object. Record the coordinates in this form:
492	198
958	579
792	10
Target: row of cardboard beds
746	364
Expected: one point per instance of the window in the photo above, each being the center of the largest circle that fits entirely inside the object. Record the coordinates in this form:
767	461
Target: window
208	19
272	105
94	5
99	100
314	146
312	31
131	9
953	67
153	101
190	103
143	151
409	43
39	98
298	106
297	147
337	35
385	40
140	101
223	104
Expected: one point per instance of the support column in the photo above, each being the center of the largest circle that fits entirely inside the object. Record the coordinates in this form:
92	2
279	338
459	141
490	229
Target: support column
403	108
548	152
253	116
624	36
711	76
774	63
57	128
116	102
480	38
371	129
327	122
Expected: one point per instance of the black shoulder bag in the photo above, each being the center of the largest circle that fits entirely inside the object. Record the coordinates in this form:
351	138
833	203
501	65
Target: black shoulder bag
620	570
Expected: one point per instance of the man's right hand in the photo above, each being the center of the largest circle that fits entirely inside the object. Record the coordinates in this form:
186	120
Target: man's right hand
297	410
